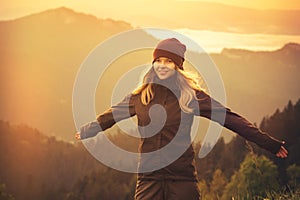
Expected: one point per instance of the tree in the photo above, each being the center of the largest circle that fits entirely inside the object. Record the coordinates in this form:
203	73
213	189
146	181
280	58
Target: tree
293	172
218	184
204	190
256	177
3	193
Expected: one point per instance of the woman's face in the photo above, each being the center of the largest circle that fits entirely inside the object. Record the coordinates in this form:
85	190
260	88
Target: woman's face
164	68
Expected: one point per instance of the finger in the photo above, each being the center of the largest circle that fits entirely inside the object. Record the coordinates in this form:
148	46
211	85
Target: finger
285	154
282	154
279	154
77	136
284	150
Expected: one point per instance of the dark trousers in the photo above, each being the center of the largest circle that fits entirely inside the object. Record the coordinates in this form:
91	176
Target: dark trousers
166	190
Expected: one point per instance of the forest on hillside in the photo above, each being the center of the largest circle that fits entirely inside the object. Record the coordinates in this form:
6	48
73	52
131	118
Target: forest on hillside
36	166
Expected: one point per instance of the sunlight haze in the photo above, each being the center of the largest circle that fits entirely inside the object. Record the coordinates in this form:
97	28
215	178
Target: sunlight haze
126	9
52	38
258	4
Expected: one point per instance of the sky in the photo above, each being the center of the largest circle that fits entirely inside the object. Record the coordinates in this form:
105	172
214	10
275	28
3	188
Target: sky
117	9
259	4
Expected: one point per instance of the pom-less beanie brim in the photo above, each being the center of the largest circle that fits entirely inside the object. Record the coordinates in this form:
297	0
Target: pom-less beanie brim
170	48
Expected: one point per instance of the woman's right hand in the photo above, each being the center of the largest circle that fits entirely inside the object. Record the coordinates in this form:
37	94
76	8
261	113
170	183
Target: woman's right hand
77	136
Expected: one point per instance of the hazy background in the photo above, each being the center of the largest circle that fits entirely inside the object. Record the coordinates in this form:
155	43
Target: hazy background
255	45
44	43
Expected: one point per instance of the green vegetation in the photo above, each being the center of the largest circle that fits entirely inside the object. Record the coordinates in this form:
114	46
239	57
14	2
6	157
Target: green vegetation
3	193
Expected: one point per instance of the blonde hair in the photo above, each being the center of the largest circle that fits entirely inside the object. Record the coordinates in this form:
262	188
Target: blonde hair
187	83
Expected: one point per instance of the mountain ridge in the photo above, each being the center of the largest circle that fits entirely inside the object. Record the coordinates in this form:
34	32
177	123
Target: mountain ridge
286	47
62	12
288	53
222	17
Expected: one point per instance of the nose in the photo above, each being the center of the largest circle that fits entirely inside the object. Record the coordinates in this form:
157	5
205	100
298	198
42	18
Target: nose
161	67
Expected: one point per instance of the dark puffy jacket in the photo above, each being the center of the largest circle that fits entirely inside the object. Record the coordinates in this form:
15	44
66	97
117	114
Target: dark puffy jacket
166	126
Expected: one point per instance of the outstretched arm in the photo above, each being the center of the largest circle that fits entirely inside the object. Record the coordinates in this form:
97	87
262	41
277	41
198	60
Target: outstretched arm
210	108
122	110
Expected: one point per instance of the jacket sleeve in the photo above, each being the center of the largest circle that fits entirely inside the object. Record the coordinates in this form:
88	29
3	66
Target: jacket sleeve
118	112
207	107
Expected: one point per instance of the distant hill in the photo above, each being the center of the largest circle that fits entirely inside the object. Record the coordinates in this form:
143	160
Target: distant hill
35	166
258	82
40	55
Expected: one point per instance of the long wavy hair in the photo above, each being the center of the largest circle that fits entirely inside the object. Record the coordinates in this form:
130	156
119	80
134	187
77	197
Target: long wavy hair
187	83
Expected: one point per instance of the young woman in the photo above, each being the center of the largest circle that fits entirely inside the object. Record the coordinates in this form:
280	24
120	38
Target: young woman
167	84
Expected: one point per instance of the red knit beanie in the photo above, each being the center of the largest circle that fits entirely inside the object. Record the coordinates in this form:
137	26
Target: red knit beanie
170	48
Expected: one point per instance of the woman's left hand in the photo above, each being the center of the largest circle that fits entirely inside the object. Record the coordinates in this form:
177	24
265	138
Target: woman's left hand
282	153
77	136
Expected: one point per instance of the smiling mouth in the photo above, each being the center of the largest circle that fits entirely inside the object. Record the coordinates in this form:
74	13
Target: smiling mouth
163	72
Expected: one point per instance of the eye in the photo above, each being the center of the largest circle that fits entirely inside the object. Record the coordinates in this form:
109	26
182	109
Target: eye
157	60
170	61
